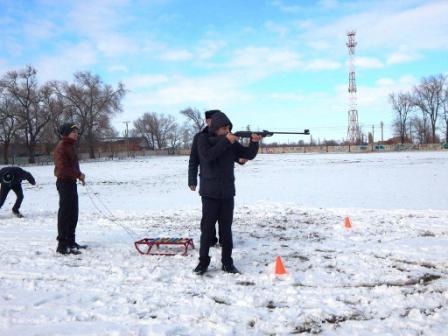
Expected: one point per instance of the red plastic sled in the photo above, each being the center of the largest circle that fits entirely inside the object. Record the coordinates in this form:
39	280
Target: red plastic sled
145	245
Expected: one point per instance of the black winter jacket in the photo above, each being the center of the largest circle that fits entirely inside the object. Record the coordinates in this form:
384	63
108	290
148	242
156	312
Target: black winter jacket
217	160
13	176
193	162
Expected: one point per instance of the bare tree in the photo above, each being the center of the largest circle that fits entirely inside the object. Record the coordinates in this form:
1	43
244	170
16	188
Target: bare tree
186	135
156	129
402	106
32	114
166	126
445	110
175	136
144	127
8	124
428	97
92	104
420	129
105	128
195	117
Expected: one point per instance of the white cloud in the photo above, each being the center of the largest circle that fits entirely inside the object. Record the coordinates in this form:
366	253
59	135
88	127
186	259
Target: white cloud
319	45
385	82
115	45
209	48
118	68
175	92
145	81
4	67
10	46
368	62
322	64
279	29
39	29
385	25
265	60
304	24
407	81
287	8
329	4
6	21
100	21
97	18
68	60
402	57
176	55
288	96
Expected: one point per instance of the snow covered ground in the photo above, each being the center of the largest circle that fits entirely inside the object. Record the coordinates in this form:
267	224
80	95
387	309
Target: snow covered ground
388	275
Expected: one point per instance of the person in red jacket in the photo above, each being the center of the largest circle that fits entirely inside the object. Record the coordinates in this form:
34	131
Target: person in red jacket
67	172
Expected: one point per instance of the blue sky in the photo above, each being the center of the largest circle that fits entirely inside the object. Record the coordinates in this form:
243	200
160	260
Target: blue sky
274	64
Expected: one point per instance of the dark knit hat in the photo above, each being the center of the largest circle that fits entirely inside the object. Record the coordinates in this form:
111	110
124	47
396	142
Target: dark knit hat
67	128
209	113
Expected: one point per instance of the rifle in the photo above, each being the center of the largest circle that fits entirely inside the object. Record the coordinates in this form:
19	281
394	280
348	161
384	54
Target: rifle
264	133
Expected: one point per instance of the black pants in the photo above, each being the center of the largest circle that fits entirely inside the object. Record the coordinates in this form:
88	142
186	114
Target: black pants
68	211
4	191
215	239
220	210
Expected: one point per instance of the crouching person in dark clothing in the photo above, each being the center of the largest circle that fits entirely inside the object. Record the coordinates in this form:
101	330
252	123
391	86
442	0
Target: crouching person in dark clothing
217	153
11	179
67	172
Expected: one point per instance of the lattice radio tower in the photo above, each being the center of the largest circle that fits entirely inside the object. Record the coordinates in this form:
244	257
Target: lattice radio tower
353	126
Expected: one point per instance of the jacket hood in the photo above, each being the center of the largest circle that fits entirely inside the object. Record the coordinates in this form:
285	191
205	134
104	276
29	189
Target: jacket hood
219	120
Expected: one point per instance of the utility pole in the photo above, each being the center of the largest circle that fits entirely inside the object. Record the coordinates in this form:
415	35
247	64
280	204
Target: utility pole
373	133
382	129
126	134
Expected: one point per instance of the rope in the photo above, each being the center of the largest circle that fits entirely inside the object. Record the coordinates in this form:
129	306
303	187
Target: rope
109	215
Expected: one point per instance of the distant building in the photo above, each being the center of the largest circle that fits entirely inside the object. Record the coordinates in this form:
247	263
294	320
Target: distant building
119	144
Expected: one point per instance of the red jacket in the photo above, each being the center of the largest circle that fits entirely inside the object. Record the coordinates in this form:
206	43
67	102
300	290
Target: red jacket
66	160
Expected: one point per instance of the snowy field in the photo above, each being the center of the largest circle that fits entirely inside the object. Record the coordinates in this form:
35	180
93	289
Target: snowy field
388	275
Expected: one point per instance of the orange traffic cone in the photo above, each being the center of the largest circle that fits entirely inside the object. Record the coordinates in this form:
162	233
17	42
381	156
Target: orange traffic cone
279	267
347	223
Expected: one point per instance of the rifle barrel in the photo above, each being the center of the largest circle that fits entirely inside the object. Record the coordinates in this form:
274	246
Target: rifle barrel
269	133
290	132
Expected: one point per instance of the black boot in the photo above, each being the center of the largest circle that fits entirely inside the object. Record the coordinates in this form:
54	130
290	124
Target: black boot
77	246
202	267
62	249
230	269
17	213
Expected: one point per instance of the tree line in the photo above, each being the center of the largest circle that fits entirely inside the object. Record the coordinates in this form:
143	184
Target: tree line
31	114
421	112
162	131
